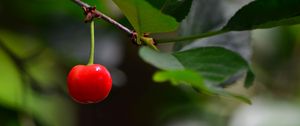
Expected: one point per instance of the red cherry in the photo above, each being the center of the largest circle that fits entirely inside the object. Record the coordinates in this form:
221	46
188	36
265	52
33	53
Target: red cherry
89	84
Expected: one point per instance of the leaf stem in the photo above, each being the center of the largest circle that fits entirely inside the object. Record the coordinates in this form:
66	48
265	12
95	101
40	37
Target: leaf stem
92	50
193	37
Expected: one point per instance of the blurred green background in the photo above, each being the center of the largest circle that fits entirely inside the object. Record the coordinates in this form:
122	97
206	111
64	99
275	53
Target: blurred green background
40	41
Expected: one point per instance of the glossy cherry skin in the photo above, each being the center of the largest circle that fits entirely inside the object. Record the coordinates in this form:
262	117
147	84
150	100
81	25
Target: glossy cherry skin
89	83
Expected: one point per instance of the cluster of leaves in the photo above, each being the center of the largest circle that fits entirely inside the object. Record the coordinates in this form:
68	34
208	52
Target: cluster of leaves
30	85
207	67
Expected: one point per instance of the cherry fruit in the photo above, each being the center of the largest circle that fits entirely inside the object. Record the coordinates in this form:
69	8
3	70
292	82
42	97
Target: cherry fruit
89	83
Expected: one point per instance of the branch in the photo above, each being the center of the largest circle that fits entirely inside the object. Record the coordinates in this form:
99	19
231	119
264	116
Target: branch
91	13
97	14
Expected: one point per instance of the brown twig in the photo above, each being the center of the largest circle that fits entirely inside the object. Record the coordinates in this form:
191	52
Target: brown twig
91	13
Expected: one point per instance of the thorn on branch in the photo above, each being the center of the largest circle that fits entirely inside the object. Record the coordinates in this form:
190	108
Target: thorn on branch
133	38
90	13
147	35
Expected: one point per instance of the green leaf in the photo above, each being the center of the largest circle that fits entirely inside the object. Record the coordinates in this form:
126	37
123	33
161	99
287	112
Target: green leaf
207	19
265	14
258	14
21	45
40	65
49	110
16	92
145	18
236	96
215	64
176	8
249	79
194	79
182	77
160	60
10	82
44	70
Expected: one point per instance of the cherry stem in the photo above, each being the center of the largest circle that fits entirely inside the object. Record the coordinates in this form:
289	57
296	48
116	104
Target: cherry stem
92	50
